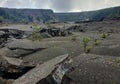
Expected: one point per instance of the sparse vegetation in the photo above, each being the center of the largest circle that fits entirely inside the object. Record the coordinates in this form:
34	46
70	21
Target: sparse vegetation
96	42
24	21
73	38
60	33
85	43
36	35
104	35
32	36
1	19
118	60
64	26
48	25
88	49
39	36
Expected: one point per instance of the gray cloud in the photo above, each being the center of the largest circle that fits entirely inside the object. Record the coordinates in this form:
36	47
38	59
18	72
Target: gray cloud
61	5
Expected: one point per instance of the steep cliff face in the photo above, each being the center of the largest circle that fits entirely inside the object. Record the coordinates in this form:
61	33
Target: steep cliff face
27	15
97	15
45	15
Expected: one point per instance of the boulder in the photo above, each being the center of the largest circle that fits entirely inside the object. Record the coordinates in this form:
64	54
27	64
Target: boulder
14	53
40	57
32	45
41	71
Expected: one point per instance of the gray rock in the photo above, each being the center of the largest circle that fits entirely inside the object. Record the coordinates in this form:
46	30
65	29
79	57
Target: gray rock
107	47
14	53
7	52
40	71
40	57
30	45
94	69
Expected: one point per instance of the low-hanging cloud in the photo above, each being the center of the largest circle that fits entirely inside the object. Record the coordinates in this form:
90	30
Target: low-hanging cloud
61	5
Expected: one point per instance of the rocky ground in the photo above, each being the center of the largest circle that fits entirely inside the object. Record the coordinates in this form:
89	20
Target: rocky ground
21	56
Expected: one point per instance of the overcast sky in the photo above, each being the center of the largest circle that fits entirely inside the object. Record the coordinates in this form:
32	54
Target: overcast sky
61	5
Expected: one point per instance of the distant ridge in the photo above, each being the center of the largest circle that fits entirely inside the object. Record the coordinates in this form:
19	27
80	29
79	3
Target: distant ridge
46	15
27	15
96	15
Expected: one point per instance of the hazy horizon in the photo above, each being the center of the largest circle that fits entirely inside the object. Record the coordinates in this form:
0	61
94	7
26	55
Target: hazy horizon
60	5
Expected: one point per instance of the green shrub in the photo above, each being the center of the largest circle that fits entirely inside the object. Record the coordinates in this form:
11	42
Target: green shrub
39	36
104	35
36	35
74	38
118	60
60	33
1	19
85	43
32	36
48	25
36	28
96	42
88	49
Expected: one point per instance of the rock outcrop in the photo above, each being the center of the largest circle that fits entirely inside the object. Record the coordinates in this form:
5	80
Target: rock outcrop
27	15
42	71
